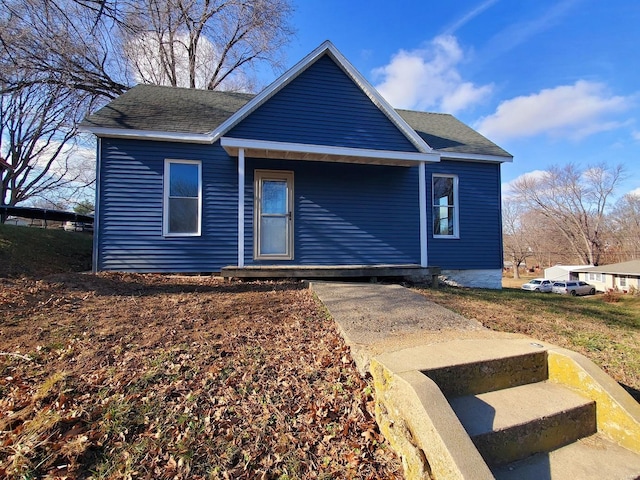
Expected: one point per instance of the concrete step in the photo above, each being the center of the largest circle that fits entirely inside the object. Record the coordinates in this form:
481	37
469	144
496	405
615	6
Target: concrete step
489	374
514	423
591	458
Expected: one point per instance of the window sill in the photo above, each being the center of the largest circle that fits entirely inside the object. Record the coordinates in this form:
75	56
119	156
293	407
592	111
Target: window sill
181	235
447	237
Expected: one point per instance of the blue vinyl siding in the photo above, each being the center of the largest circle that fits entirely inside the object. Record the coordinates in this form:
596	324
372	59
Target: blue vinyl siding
346	214
323	106
480	242
131	206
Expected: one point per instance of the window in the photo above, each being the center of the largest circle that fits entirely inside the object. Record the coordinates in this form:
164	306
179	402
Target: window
623	281
445	206
182	197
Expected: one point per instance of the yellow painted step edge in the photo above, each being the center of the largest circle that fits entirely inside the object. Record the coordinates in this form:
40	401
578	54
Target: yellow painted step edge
618	414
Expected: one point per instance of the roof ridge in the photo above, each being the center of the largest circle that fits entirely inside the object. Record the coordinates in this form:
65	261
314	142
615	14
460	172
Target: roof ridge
199	90
423	111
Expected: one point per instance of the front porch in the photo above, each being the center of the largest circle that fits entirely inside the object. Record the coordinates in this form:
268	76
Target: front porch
410	272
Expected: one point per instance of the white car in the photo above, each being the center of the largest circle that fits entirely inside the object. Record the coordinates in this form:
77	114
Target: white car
573	288
538	285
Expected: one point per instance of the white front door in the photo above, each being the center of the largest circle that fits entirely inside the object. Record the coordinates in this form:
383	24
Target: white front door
273	221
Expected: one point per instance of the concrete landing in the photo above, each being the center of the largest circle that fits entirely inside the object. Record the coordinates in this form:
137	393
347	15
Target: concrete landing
375	319
591	458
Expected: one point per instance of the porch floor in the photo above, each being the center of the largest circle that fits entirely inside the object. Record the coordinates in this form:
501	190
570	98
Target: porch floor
331	271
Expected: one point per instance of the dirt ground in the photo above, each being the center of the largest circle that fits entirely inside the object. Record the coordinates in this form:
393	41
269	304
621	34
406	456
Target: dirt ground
149	376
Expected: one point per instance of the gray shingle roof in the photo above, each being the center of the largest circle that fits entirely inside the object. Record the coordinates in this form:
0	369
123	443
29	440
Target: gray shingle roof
631	267
168	109
445	133
182	110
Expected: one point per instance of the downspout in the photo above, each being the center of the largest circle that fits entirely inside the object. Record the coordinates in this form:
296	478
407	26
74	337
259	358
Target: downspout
422	189
241	208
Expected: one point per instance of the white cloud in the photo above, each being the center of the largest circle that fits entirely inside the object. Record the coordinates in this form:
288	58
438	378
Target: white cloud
428	78
532	176
575	111
636	135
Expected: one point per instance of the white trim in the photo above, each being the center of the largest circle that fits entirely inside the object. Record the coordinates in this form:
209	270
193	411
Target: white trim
165	199
151	135
230	144
259	176
241	208
422	192
328	48
96	209
456	205
473	157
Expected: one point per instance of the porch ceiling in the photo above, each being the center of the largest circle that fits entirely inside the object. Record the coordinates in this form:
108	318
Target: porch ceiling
323	153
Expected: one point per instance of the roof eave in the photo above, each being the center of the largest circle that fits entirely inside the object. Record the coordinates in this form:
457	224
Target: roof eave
149	135
323	153
474	157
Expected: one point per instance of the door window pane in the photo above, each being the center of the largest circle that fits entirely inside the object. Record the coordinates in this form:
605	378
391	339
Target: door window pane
273	235
274	197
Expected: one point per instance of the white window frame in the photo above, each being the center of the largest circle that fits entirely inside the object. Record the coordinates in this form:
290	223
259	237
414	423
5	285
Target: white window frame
595	277
259	175
165	206
456	207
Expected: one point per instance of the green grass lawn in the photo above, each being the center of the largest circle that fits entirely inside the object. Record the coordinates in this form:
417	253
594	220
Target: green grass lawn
37	251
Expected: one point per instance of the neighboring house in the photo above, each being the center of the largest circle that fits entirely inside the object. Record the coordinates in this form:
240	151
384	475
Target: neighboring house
329	173
623	276
562	272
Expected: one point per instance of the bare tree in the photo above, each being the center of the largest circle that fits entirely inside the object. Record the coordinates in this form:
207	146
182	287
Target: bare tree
37	132
95	45
516	240
208	44
625	223
575	202
58	58
59	43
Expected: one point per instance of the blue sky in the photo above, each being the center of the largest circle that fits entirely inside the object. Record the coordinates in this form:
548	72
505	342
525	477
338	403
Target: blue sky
550	81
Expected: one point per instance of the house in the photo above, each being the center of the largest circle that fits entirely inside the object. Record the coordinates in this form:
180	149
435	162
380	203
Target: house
317	170
624	276
562	272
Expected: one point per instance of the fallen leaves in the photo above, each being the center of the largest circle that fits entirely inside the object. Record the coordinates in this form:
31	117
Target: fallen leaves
148	376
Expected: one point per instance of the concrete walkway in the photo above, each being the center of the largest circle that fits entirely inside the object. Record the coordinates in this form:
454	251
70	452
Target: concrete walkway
375	318
425	360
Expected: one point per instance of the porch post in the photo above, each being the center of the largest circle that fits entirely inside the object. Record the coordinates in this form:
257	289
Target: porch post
241	208
423	214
